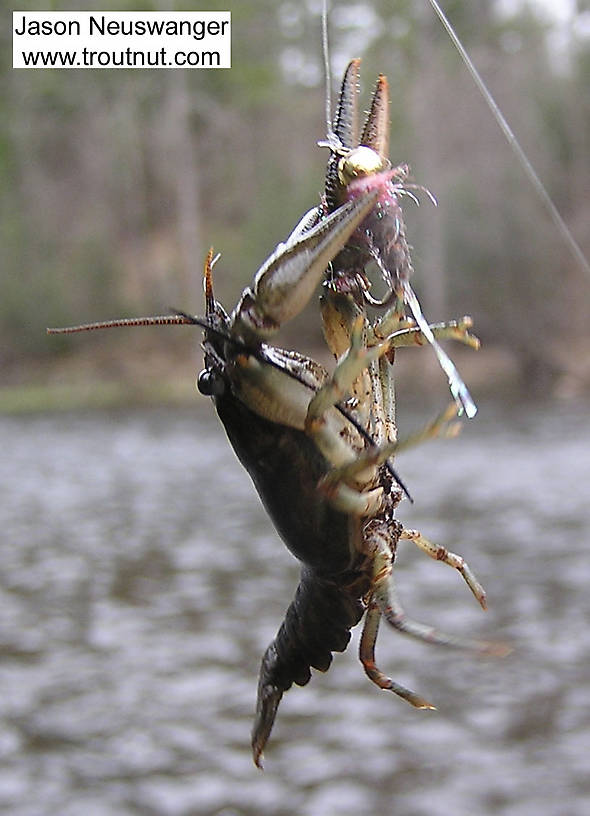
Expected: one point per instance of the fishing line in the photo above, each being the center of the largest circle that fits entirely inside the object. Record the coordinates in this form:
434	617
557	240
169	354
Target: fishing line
528	168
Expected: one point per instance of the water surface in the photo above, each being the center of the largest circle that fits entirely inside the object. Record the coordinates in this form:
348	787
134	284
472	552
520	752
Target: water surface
140	582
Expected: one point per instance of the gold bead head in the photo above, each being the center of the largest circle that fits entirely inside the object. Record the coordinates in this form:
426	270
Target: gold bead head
362	161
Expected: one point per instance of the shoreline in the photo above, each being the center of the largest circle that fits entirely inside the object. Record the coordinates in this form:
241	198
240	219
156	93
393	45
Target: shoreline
93	378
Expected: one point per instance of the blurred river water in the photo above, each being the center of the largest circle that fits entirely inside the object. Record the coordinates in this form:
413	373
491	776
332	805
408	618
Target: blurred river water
140	582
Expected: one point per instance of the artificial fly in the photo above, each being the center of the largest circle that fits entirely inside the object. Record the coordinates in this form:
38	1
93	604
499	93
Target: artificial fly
399	277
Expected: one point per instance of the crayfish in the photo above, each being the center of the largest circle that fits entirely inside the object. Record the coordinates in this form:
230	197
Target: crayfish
319	446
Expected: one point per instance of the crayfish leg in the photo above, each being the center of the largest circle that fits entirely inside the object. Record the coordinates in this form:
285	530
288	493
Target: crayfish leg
414	336
385	596
367	658
394	614
450	558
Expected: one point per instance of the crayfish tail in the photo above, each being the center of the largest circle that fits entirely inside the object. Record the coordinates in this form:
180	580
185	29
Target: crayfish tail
317	623
267	704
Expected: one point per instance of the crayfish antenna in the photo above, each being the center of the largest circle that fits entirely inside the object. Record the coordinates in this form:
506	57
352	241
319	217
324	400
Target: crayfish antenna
177	319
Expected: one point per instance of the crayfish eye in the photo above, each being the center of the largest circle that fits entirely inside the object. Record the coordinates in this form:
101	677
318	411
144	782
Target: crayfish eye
210	383
362	161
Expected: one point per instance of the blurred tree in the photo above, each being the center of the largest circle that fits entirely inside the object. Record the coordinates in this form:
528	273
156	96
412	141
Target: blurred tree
115	182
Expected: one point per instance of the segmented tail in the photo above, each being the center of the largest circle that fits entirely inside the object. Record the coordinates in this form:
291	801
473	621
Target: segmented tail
317	623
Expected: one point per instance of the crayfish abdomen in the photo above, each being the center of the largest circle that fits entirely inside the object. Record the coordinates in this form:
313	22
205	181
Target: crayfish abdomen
286	467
